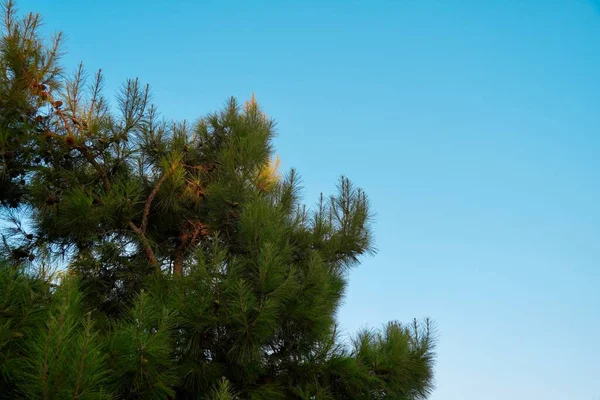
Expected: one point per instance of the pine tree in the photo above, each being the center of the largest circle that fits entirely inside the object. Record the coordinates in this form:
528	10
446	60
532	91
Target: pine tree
193	269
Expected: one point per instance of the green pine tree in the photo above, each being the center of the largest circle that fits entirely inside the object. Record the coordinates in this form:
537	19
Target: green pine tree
193	269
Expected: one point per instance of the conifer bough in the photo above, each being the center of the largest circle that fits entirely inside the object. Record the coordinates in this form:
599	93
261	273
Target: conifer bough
191	268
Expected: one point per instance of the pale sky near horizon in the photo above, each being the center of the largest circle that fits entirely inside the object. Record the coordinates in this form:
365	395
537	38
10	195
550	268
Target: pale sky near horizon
474	126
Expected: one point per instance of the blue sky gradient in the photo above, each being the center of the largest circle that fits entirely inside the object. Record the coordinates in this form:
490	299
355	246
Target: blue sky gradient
474	126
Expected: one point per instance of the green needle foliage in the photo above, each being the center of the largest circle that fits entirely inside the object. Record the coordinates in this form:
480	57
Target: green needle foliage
189	268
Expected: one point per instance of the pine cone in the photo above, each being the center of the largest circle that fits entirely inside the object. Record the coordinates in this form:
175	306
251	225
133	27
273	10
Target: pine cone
20	253
52	199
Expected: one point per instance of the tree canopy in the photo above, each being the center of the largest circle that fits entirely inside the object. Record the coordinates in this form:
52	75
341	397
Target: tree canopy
190	267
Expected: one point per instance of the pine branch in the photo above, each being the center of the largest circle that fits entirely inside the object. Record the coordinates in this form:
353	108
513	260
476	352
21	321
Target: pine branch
45	366
198	229
84	347
92	160
73	90
145	244
69	140
149	202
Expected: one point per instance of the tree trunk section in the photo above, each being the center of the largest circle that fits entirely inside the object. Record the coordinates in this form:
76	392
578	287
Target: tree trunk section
178	264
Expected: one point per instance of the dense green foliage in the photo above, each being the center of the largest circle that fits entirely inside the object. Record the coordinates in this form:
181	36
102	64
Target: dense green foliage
190	269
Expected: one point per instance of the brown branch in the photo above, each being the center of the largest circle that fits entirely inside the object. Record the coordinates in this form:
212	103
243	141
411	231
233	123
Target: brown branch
199	230
92	160
64	119
145	244
88	156
150	200
199	167
180	252
178	262
81	148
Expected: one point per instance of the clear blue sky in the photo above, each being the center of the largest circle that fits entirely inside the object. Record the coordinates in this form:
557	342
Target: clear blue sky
473	125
